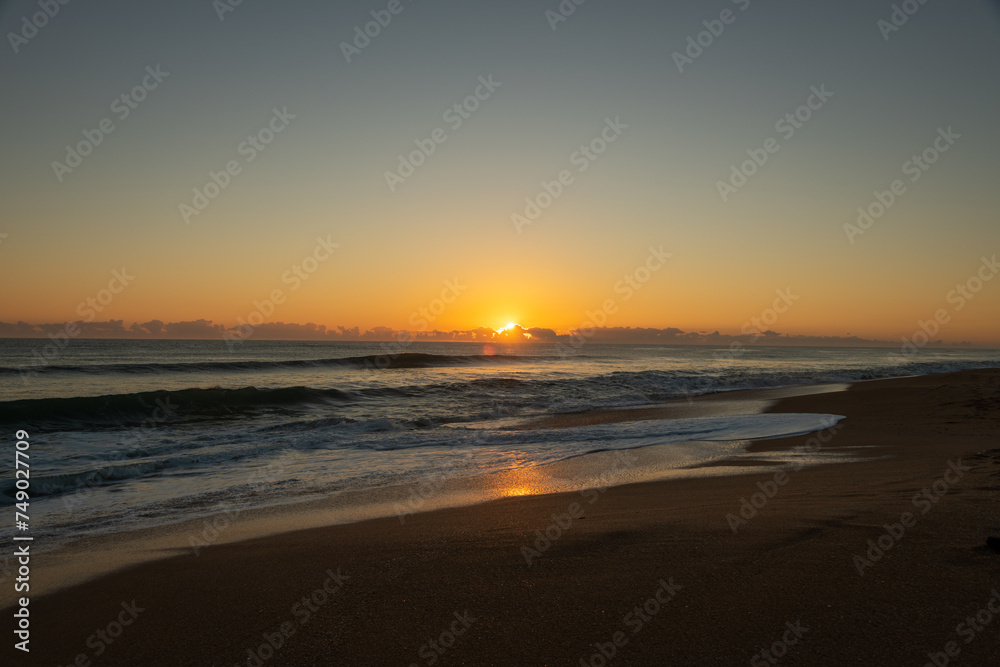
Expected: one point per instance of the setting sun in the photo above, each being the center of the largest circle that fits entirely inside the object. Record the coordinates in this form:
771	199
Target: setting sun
262	333
513	332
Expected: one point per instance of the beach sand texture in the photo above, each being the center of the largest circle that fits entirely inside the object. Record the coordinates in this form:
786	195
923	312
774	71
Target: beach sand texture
642	574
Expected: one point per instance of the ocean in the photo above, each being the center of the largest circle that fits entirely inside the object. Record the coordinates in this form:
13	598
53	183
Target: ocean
132	434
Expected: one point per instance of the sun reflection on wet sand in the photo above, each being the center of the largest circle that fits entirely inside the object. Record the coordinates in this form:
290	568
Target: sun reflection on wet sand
522	482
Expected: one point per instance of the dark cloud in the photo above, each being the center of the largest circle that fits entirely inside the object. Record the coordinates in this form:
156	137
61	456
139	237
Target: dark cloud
543	335
208	330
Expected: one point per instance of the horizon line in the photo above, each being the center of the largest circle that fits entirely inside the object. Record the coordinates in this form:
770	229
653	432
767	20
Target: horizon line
517	334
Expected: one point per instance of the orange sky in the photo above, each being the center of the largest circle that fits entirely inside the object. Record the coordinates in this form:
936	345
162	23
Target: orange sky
633	150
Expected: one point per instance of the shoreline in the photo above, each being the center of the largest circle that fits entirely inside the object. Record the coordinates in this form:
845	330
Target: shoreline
906	429
85	558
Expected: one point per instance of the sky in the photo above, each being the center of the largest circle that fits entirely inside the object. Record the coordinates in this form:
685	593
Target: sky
630	138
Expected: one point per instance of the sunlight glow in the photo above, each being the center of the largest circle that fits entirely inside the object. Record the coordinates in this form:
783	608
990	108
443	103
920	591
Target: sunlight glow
521	482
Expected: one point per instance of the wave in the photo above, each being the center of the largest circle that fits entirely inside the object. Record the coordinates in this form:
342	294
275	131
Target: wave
374	362
155	407
248	452
52	485
428	405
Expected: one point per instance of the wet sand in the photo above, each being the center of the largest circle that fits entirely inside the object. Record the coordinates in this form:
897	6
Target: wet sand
650	573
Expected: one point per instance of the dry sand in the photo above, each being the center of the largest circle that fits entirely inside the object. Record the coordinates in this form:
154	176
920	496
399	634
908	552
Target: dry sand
723	596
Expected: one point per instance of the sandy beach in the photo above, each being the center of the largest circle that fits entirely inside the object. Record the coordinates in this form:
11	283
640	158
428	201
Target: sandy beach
565	333
879	561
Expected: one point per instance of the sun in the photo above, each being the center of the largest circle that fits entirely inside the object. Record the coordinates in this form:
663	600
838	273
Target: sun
513	332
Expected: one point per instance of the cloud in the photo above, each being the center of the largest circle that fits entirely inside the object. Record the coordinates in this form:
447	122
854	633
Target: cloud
195	329
207	330
153	327
19	330
674	336
543	335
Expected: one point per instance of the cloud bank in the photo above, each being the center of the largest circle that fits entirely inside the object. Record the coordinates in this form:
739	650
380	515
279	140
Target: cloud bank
208	330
